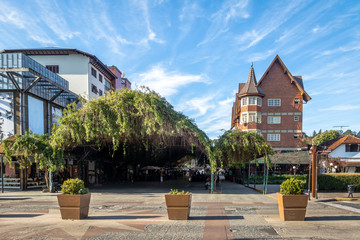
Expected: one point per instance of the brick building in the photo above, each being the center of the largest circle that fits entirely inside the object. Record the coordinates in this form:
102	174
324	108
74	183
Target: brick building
120	81
272	107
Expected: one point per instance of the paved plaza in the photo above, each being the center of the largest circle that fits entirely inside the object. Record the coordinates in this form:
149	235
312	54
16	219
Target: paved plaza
138	211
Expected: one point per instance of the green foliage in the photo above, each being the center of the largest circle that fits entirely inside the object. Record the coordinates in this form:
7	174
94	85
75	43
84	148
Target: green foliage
326	136
236	147
278	179
28	146
292	186
74	186
138	117
176	192
338	181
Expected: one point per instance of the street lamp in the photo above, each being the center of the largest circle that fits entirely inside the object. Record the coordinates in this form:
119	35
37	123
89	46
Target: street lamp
331	164
294	168
335	168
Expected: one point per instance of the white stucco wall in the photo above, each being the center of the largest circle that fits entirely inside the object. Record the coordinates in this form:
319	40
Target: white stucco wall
95	81
73	67
340	152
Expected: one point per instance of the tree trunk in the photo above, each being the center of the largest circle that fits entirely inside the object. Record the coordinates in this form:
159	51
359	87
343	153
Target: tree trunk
47	178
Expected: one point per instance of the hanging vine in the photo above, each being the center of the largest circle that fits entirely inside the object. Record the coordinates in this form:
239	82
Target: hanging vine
236	147
128	117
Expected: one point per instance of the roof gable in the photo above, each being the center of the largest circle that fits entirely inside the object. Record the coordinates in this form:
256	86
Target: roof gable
297	80
348	139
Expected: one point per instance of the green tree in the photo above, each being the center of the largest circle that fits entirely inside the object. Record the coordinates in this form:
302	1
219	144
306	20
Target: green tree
314	133
326	136
349	132
358	134
137	117
37	147
236	147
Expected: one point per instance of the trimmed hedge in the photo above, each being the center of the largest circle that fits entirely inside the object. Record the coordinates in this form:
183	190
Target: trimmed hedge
277	179
338	181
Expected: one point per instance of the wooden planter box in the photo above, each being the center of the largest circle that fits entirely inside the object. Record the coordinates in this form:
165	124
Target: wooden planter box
178	206
292	207
74	206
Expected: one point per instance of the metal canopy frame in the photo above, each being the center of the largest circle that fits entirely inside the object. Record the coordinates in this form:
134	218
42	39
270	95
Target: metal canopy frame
23	74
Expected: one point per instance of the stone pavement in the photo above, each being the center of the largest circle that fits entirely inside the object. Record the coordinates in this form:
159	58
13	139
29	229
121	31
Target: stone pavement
138	211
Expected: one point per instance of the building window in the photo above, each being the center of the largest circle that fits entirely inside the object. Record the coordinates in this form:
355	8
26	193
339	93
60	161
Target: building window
252	117
100	78
93	72
296	136
276	102
244	101
296	118
273	137
297	101
274	119
244	118
258	116
53	68
259	101
352	147
252	100
94	89
100	92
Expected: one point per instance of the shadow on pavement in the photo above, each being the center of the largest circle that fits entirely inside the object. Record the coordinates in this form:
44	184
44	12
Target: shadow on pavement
333	218
123	217
19	215
13	199
216	218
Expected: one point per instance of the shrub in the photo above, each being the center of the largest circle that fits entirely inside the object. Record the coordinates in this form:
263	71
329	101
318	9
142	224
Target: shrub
292	186
338	181
176	192
74	186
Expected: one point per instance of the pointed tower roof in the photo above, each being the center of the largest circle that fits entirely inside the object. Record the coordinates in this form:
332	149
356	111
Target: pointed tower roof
250	88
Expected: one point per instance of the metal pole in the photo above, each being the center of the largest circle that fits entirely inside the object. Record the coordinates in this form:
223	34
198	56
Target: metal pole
264	176
50	182
309	182
267	178
314	170
212	183
2	174
255	178
248	180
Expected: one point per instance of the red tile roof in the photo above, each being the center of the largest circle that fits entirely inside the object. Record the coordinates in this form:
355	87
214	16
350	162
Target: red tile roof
346	139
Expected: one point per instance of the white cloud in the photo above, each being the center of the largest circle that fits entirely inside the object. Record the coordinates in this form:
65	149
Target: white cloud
217	119
344	49
220	20
202	105
341	108
268	23
53	17
261	56
19	19
166	82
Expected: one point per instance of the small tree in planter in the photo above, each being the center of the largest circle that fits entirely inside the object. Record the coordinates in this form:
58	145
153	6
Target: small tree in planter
178	204
75	200
291	200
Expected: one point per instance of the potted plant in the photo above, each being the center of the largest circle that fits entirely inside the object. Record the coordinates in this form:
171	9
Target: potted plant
291	200
75	200
178	204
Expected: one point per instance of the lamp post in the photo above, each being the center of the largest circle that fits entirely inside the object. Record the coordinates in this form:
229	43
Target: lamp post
294	168
331	169
335	168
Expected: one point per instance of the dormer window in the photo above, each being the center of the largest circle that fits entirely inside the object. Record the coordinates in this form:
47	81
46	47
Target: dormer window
354	147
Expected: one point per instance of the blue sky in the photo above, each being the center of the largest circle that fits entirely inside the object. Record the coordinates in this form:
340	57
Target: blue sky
195	53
